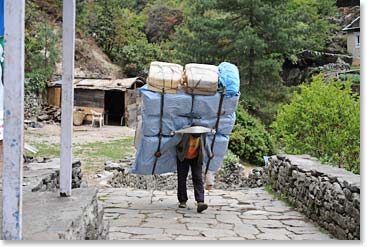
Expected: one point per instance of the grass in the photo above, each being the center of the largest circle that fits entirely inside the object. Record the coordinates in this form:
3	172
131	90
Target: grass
96	153
45	150
113	150
92	154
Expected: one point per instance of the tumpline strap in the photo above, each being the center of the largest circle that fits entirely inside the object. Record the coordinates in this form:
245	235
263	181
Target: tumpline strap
216	129
160	125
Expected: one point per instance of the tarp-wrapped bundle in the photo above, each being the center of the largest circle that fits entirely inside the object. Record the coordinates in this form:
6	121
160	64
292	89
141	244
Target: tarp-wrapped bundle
229	78
180	110
167	76
145	158
201	78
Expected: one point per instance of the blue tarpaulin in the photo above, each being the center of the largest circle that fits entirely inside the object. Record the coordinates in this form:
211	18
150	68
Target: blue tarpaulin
229	78
180	111
1	18
168	161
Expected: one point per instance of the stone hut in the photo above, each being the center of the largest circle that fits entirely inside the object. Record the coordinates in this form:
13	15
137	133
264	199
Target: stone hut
353	40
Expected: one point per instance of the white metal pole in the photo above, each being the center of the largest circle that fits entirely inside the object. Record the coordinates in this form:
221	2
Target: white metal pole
13	119
68	44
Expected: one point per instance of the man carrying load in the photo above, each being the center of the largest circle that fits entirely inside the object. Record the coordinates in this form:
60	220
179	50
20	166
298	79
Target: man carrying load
192	149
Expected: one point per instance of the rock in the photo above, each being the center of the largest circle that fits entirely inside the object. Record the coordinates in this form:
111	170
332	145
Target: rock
109	166
83	184
44	117
328	195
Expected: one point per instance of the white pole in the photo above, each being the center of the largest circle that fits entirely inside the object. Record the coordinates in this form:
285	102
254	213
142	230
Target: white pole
68	44
13	119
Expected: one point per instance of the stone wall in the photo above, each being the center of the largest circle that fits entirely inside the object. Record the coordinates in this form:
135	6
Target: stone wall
328	195
32	105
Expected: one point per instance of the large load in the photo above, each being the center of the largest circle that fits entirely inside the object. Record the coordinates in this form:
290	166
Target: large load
164	113
201	78
164	76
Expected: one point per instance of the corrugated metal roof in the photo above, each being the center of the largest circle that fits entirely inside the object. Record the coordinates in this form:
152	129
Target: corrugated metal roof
103	84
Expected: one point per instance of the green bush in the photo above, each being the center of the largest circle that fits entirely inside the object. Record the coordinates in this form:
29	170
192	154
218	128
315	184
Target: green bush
355	78
249	139
230	159
323	121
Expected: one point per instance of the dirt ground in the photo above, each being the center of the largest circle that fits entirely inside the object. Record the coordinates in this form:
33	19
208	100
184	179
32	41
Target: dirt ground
81	134
92	146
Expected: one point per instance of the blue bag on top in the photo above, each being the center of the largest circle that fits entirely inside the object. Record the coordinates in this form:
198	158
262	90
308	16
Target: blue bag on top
229	78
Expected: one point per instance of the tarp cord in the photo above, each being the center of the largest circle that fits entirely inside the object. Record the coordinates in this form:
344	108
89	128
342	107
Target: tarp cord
216	129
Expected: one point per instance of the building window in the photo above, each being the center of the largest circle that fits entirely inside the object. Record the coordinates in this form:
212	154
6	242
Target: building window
358	43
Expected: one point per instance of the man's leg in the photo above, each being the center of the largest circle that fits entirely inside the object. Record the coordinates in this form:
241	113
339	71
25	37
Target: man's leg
197	180
182	172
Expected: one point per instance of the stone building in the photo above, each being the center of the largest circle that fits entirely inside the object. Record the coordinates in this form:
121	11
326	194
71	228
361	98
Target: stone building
353	40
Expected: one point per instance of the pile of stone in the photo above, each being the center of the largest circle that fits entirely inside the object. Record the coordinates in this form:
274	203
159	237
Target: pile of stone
50	114
231	177
328	195
257	178
50	180
121	178
33	105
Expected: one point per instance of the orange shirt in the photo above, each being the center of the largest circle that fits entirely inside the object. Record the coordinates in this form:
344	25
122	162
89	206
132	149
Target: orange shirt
193	147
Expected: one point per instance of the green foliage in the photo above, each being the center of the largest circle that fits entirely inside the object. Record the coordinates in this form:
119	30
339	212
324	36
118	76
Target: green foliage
36	82
198	41
256	35
355	78
230	159
249	139
323	121
119	29
41	50
311	22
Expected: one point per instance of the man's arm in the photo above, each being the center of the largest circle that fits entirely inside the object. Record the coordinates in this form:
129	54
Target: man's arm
208	147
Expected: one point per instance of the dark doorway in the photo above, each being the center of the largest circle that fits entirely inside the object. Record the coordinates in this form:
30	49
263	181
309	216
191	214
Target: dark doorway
114	105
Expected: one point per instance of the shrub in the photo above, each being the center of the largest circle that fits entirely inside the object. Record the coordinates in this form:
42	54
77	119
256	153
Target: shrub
230	159
249	139
323	121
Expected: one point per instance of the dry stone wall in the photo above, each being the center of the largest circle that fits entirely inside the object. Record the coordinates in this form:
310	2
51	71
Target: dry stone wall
328	195
47	178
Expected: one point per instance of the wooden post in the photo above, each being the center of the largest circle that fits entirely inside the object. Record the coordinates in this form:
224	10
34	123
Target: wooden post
13	119
68	41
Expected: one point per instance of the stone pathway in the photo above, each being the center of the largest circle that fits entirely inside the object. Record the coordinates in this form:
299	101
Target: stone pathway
249	214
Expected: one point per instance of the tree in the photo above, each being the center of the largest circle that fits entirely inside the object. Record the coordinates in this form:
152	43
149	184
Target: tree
197	40
161	23
41	52
257	36
323	121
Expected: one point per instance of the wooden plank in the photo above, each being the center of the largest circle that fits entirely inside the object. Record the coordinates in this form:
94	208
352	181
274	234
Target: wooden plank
13	119
126	111
53	96
89	98
68	49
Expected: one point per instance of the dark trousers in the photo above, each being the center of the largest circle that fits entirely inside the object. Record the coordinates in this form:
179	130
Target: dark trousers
197	179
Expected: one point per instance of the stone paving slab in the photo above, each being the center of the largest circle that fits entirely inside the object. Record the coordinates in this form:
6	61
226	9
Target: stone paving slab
249	214
47	216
